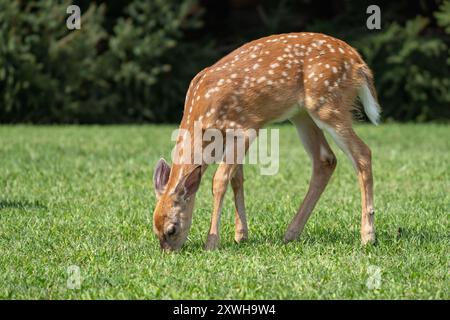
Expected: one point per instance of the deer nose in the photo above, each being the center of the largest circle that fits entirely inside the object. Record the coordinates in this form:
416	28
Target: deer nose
171	230
164	245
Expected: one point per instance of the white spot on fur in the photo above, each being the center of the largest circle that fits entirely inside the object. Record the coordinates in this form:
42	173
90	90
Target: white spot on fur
261	79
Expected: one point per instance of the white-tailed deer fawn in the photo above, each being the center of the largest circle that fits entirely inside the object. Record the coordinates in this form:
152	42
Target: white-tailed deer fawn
310	79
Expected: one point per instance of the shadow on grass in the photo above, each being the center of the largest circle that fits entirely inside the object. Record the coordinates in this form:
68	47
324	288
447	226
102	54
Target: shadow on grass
386	237
21	205
417	235
276	239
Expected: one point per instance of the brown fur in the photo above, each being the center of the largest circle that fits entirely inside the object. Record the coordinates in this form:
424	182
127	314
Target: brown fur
312	80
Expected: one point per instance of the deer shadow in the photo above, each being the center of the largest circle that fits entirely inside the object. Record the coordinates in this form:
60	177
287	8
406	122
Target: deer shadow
388	237
21	205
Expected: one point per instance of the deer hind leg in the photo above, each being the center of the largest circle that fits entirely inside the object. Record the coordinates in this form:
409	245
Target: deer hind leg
359	154
240	219
323	165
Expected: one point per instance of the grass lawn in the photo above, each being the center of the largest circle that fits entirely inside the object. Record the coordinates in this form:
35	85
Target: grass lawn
83	196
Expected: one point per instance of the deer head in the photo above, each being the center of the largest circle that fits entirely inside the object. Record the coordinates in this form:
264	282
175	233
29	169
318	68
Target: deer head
175	192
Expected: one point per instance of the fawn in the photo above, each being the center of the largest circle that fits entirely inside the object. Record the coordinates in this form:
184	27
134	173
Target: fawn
310	79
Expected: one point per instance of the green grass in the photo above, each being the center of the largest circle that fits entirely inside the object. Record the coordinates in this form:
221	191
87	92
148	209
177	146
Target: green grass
83	196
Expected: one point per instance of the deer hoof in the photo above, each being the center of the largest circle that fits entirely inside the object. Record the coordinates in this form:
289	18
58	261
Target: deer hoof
368	238
240	237
289	236
212	242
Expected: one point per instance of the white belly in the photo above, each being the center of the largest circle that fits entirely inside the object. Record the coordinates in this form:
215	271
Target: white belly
289	113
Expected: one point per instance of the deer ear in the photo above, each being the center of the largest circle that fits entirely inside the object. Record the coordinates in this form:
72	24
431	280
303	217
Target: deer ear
161	176
190	183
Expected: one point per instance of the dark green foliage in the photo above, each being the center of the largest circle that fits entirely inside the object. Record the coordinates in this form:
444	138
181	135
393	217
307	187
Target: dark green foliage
412	71
152	66
47	73
132	61
140	72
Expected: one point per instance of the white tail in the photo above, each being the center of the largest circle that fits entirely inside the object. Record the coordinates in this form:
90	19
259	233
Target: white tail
371	106
309	78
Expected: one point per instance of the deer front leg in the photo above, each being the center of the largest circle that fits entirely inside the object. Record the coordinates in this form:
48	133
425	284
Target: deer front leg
240	219
220	184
